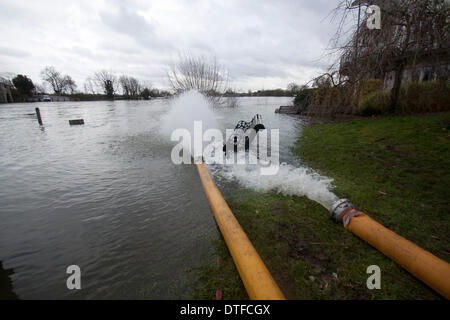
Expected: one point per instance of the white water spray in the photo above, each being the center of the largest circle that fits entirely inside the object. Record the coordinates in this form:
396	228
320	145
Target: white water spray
290	181
293	181
185	109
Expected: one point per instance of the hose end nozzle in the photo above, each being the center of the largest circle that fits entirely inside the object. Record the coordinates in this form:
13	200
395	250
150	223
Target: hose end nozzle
339	208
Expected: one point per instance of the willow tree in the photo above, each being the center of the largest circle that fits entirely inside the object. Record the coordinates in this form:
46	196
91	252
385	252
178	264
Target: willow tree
199	73
89	86
131	87
410	32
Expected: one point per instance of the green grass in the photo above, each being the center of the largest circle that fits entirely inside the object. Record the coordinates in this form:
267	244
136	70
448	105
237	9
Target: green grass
396	169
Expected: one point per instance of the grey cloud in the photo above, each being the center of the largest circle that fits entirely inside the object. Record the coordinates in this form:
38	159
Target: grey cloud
134	26
12	52
255	39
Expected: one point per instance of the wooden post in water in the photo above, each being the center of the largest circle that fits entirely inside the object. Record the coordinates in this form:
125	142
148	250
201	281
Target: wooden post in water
38	113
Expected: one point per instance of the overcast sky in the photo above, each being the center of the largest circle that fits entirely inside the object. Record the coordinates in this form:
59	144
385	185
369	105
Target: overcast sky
264	44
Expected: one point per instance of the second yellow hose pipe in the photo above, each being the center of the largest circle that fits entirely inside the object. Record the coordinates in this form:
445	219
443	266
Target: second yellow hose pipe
428	268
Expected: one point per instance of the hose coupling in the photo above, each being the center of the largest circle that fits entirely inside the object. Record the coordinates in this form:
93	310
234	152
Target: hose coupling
343	210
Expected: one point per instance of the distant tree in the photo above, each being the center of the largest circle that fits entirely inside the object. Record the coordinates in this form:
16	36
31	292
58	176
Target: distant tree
123	81
24	85
201	74
89	86
155	93
293	88
40	88
53	78
131	87
69	85
146	94
109	89
272	93
107	81
164	93
59	83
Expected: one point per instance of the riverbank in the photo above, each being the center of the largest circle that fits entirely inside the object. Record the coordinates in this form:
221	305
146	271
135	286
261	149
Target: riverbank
396	169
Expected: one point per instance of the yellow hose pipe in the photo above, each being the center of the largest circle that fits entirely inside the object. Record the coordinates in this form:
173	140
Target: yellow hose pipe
257	279
428	268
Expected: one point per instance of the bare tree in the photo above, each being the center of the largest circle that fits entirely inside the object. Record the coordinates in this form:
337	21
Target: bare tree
89	86
69	85
201	74
107	81
124	83
131	87
293	88
59	83
40	88
134	87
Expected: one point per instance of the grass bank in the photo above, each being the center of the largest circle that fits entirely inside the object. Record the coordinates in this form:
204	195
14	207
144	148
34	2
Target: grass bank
396	169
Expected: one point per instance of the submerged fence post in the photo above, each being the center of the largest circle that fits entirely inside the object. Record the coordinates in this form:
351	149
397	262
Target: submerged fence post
38	114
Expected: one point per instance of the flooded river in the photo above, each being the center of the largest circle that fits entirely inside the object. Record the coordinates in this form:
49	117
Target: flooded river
106	197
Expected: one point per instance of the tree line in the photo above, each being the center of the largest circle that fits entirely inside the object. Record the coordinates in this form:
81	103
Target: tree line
190	72
101	85
200	73
105	84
